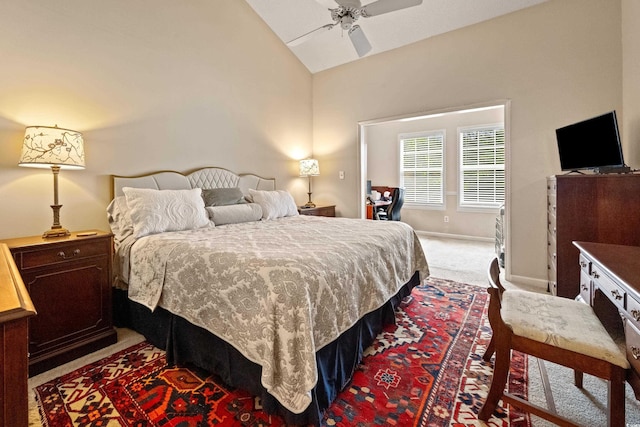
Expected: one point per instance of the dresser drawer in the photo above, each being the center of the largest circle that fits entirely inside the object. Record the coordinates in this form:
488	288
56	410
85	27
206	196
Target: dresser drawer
632	341
615	293
633	310
585	264
585	286
54	254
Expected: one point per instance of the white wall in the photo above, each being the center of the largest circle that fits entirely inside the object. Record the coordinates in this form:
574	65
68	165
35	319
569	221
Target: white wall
383	168
152	85
558	63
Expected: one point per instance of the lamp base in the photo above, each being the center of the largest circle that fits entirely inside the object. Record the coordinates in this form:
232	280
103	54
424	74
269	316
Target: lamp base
56	232
309	205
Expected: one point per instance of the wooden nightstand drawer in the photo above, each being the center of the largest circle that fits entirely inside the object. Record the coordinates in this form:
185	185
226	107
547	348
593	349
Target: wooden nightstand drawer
41	257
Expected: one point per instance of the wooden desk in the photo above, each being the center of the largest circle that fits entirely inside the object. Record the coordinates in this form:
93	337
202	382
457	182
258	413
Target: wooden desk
613	271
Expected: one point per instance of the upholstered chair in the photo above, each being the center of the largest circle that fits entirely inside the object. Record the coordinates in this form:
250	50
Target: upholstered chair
560	330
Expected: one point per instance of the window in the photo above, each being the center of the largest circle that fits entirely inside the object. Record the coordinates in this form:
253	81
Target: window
482	179
422	168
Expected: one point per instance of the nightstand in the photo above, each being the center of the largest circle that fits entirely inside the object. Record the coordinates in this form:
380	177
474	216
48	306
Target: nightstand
69	282
318	210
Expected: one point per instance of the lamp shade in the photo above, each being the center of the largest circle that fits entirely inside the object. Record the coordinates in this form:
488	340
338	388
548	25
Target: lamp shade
46	146
309	167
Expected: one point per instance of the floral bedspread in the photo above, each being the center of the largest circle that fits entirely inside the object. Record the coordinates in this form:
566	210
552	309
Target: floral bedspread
277	290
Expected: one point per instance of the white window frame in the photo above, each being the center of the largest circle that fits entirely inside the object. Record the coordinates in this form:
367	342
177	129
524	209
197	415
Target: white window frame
425	204
464	205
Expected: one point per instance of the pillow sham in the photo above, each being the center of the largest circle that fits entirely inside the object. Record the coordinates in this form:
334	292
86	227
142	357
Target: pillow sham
222	196
234	214
119	218
157	211
275	203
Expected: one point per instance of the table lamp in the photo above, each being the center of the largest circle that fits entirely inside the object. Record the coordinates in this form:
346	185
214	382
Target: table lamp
57	148
309	168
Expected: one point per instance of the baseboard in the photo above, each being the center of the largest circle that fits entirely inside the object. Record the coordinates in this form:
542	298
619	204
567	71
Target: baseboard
539	285
455	236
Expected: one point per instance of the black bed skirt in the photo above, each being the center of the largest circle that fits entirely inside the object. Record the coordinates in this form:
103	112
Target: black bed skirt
187	344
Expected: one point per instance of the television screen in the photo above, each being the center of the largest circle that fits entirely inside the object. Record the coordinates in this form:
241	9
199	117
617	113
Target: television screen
590	144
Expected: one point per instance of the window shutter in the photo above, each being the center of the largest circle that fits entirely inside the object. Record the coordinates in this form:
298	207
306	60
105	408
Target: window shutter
422	158
482	178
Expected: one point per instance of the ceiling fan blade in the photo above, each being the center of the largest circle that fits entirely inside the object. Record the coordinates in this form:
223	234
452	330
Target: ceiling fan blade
359	40
303	38
332	4
329	4
385	6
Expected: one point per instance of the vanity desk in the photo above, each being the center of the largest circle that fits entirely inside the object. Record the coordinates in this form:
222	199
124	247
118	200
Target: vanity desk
610	283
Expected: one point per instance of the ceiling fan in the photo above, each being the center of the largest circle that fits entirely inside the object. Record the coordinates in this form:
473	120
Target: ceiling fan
348	12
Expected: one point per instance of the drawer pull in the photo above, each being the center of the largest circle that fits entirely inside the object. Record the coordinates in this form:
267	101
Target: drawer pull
583	264
63	255
585	287
595	275
616	294
635	352
636	315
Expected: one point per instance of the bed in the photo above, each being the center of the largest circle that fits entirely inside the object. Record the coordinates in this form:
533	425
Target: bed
219	270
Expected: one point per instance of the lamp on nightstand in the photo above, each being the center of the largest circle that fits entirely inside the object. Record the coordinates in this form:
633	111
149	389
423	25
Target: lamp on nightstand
57	148
309	168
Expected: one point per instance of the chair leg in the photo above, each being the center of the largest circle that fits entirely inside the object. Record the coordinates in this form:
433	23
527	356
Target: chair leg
616	401
500	374
491	348
577	378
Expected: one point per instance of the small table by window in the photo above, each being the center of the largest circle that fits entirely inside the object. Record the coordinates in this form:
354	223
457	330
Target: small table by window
318	210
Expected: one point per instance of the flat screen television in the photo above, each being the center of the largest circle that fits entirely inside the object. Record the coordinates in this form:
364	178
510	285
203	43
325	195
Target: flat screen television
591	144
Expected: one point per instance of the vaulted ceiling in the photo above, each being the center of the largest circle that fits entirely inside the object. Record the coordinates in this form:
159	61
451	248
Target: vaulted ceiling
290	19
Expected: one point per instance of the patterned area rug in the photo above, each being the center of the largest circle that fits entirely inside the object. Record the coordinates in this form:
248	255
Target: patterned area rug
426	371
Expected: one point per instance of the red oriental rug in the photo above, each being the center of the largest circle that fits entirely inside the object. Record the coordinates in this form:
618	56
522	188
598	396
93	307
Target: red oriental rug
425	371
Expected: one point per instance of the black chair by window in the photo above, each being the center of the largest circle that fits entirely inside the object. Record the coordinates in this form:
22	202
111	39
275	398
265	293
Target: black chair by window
390	212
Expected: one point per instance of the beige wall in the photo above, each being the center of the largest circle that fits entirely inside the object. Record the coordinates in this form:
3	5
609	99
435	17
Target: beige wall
558	62
383	168
152	85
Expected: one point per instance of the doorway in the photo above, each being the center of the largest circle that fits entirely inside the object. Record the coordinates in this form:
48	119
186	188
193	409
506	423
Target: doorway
379	150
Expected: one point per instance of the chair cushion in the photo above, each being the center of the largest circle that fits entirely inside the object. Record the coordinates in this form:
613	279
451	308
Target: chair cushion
560	322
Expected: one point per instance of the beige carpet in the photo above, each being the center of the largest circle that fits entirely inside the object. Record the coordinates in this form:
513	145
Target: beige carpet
463	261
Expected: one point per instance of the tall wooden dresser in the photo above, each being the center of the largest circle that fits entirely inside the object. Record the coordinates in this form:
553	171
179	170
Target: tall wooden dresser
588	208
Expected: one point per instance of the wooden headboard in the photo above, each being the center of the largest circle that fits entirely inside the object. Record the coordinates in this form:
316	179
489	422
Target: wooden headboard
208	177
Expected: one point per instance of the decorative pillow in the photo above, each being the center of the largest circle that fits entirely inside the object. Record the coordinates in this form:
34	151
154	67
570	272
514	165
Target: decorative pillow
234	214
222	196
157	211
274	204
119	218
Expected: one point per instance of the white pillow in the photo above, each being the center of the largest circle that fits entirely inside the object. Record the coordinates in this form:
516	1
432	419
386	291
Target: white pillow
157	211
119	218
234	214
274	204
